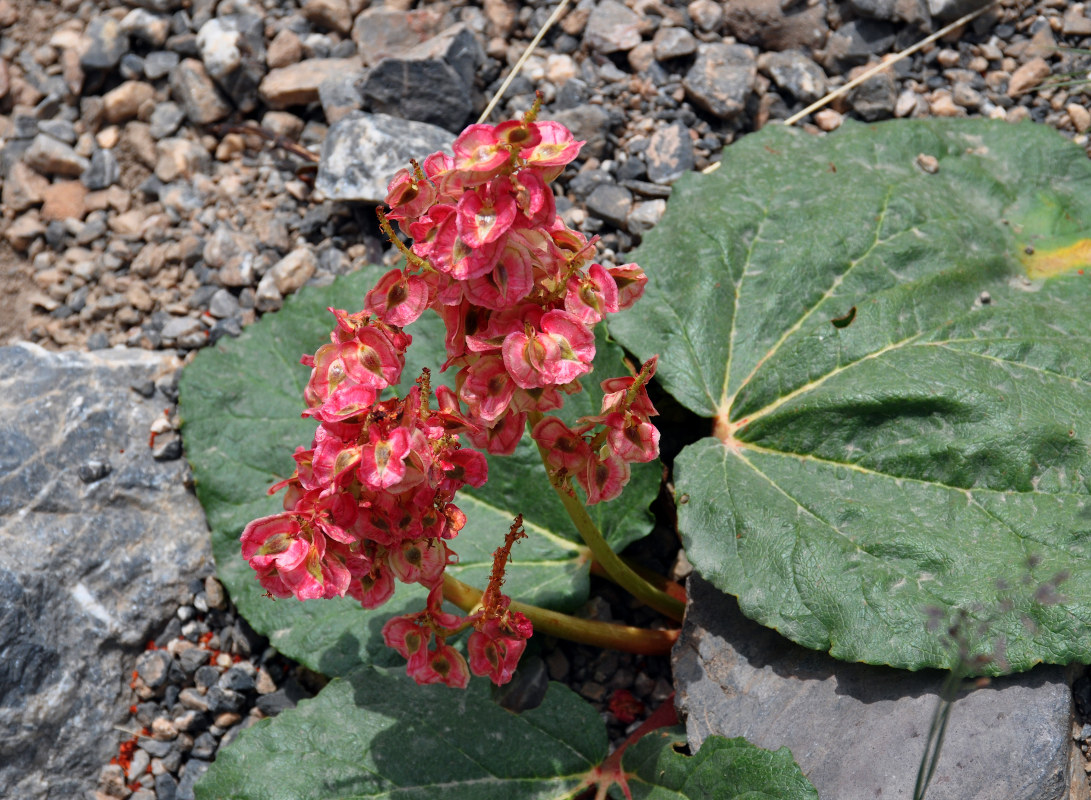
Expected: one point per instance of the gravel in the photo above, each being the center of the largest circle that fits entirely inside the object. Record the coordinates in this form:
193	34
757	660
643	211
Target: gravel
132	216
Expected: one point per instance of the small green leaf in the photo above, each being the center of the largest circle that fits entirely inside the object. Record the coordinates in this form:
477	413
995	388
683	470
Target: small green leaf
240	406
377	734
933	455
723	769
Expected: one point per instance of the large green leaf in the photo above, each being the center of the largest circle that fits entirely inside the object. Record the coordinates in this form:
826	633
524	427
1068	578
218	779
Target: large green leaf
897	364
240	407
375	734
723	769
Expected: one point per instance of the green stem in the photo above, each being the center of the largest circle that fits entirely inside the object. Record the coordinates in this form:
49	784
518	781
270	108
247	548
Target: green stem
618	571
644	641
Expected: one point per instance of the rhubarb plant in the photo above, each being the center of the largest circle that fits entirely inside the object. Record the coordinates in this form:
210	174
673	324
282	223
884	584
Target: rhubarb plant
885	330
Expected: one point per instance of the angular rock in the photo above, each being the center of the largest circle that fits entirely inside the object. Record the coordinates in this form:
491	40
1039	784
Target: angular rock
64	200
199	96
285	49
69	634
612	28
340	96
332	15
179	158
721	79
856	41
1028	76
23	230
646	215
294	270
915	12
874	99
362	152
103	171
51	156
384	32
159	63
953	9
298	84
588	123
23	188
122	103
426	90
611	203
458	47
150	28
795	74
233	51
165	120
777	25
672	42
669	153
858	731
105	44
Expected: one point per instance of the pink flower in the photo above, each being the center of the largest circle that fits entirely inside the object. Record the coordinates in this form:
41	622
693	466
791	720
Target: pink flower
443	664
398	299
604	477
590	299
485	214
564	448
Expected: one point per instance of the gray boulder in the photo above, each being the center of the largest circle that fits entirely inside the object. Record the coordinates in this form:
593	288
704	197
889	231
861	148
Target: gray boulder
858	731
98	542
361	153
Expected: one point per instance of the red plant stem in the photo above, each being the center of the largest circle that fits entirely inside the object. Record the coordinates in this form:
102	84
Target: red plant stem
630	639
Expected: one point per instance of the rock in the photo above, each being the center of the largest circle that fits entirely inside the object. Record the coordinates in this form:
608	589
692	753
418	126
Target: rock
150	28
102	172
68	635
285	49
942	104
233	51
298	84
53	157
223	304
669	153
610	203
5	79
1028	76
874	99
767	24
721	79
267	297
1076	23
707	15
64	200
855	42
179	158
294	270
645	216
23	188
946	10
340	96
1080	116
458	47
332	15
795	74
124	102
588	123
612	28
915	12
22	232
828	120
906	104
384	32
104	44
672	42
159	63
423	85
199	96
165	120
362	152
842	720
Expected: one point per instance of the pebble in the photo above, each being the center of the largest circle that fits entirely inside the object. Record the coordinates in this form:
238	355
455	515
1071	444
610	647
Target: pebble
51	156
106	43
298	84
1028	76
191	86
124	102
721	79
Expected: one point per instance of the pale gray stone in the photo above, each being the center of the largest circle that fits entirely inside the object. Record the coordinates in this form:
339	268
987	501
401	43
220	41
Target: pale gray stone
89	571
858	731
233	51
794	73
721	79
51	156
612	28
362	152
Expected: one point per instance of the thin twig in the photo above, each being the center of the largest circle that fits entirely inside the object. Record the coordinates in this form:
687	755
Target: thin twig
889	62
829	98
522	60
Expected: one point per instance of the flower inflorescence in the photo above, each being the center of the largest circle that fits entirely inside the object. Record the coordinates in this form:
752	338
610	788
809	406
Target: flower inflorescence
372	500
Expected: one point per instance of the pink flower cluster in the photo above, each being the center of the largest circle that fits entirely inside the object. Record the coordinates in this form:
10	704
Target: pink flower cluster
372	500
512	282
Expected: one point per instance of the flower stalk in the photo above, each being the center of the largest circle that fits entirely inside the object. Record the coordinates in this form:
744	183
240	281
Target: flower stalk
627	638
617	570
